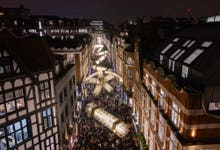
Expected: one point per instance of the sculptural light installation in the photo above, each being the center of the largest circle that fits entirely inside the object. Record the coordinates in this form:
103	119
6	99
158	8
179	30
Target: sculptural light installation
114	124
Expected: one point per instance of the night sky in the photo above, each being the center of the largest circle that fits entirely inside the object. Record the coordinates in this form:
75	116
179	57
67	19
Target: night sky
118	10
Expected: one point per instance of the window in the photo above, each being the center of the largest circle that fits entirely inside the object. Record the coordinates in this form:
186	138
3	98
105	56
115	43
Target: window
214	106
161	129
166	48
193	56
161	59
11	101
65	91
176	39
152	114
186	43
14	134
47	118
173	142
61	97
185	70
1	70
191	43
147	81
49	143
40	25
206	44
153	89
178	55
44	90
162	100
130	73
171	65
151	143
175	53
175	114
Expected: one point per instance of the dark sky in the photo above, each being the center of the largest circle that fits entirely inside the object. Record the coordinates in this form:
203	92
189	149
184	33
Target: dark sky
118	10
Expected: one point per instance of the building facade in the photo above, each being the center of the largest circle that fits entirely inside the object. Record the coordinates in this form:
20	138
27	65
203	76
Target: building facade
177	107
28	112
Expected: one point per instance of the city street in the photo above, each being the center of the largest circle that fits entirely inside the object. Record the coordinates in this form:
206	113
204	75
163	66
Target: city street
102	90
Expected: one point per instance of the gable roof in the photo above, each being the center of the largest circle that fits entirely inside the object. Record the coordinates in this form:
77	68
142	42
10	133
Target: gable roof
197	47
32	54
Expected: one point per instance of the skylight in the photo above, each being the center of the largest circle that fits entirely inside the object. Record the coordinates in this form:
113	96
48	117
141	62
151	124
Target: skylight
175	53
206	44
191	43
176	39
193	56
166	48
186	43
180	54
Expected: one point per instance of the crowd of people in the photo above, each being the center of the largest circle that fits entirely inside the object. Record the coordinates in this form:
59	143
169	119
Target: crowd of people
92	134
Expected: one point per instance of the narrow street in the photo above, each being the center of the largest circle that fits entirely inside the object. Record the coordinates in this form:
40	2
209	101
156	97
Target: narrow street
102	91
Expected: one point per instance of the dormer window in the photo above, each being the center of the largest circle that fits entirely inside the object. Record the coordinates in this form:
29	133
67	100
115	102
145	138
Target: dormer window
166	48
206	44
176	39
193	56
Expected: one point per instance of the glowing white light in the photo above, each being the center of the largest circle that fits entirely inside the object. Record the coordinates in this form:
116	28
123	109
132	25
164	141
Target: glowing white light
99	46
40	25
120	128
97	89
108	87
99	68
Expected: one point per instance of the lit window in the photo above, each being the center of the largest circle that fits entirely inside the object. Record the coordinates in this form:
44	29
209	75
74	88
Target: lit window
40	25
166	48
171	65
179	55
173	142
32	31
191	43
153	89
47	118
210	19
162	100
161	59
44	90
214	106
206	44
41	33
14	134
161	129
186	43
185	70
14	100
175	53
152	114
217	18
49	143
193	56
175	114
176	39
147	81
